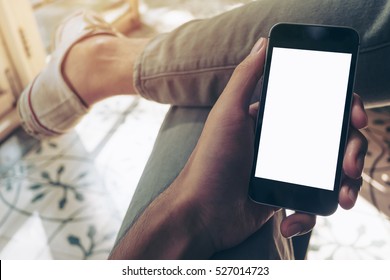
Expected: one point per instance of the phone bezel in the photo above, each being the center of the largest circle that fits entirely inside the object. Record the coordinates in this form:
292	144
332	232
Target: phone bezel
306	37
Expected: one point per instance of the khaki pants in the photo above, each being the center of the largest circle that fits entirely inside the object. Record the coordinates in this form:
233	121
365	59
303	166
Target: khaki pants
190	67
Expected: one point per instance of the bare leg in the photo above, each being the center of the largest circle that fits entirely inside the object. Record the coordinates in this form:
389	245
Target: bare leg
91	61
102	66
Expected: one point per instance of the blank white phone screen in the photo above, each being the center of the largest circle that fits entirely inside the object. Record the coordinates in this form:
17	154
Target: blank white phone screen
303	116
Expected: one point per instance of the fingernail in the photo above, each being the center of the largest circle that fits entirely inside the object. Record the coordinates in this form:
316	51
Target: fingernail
294	230
360	162
257	47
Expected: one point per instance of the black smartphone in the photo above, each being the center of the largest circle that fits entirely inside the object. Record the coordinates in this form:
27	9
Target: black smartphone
304	115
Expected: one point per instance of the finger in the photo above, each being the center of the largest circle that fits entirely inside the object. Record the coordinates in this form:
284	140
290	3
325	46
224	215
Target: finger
354	154
349	192
239	90
297	224
359	118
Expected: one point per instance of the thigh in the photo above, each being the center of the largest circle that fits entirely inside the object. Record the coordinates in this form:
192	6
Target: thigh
176	139
174	144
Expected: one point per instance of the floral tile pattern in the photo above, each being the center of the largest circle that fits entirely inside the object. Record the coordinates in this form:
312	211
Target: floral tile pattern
361	233
74	190
77	187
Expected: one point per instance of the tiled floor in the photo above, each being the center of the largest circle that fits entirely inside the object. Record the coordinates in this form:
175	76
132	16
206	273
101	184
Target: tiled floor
65	198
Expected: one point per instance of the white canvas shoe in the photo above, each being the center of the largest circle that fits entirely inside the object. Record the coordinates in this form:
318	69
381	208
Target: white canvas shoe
49	106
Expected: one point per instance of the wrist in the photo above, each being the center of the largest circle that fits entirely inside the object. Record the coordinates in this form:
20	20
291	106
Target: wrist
192	232
169	228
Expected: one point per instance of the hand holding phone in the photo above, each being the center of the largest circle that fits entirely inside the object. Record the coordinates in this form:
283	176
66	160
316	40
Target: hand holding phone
303	119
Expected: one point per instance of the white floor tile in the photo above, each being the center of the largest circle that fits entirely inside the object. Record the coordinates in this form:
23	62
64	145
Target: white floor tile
360	233
28	243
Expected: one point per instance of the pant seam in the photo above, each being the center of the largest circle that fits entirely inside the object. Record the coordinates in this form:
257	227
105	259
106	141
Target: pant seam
188	72
229	67
375	47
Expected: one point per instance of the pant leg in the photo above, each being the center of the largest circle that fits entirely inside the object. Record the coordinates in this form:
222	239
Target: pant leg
191	65
174	144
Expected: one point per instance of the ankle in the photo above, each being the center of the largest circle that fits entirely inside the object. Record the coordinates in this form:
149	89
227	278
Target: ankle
93	67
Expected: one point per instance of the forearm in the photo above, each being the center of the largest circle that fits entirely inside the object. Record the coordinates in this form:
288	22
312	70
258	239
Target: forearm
168	229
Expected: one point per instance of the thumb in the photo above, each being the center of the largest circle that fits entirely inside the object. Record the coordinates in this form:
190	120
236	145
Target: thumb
239	90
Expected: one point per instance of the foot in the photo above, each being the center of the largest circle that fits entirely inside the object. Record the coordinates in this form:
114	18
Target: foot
89	63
